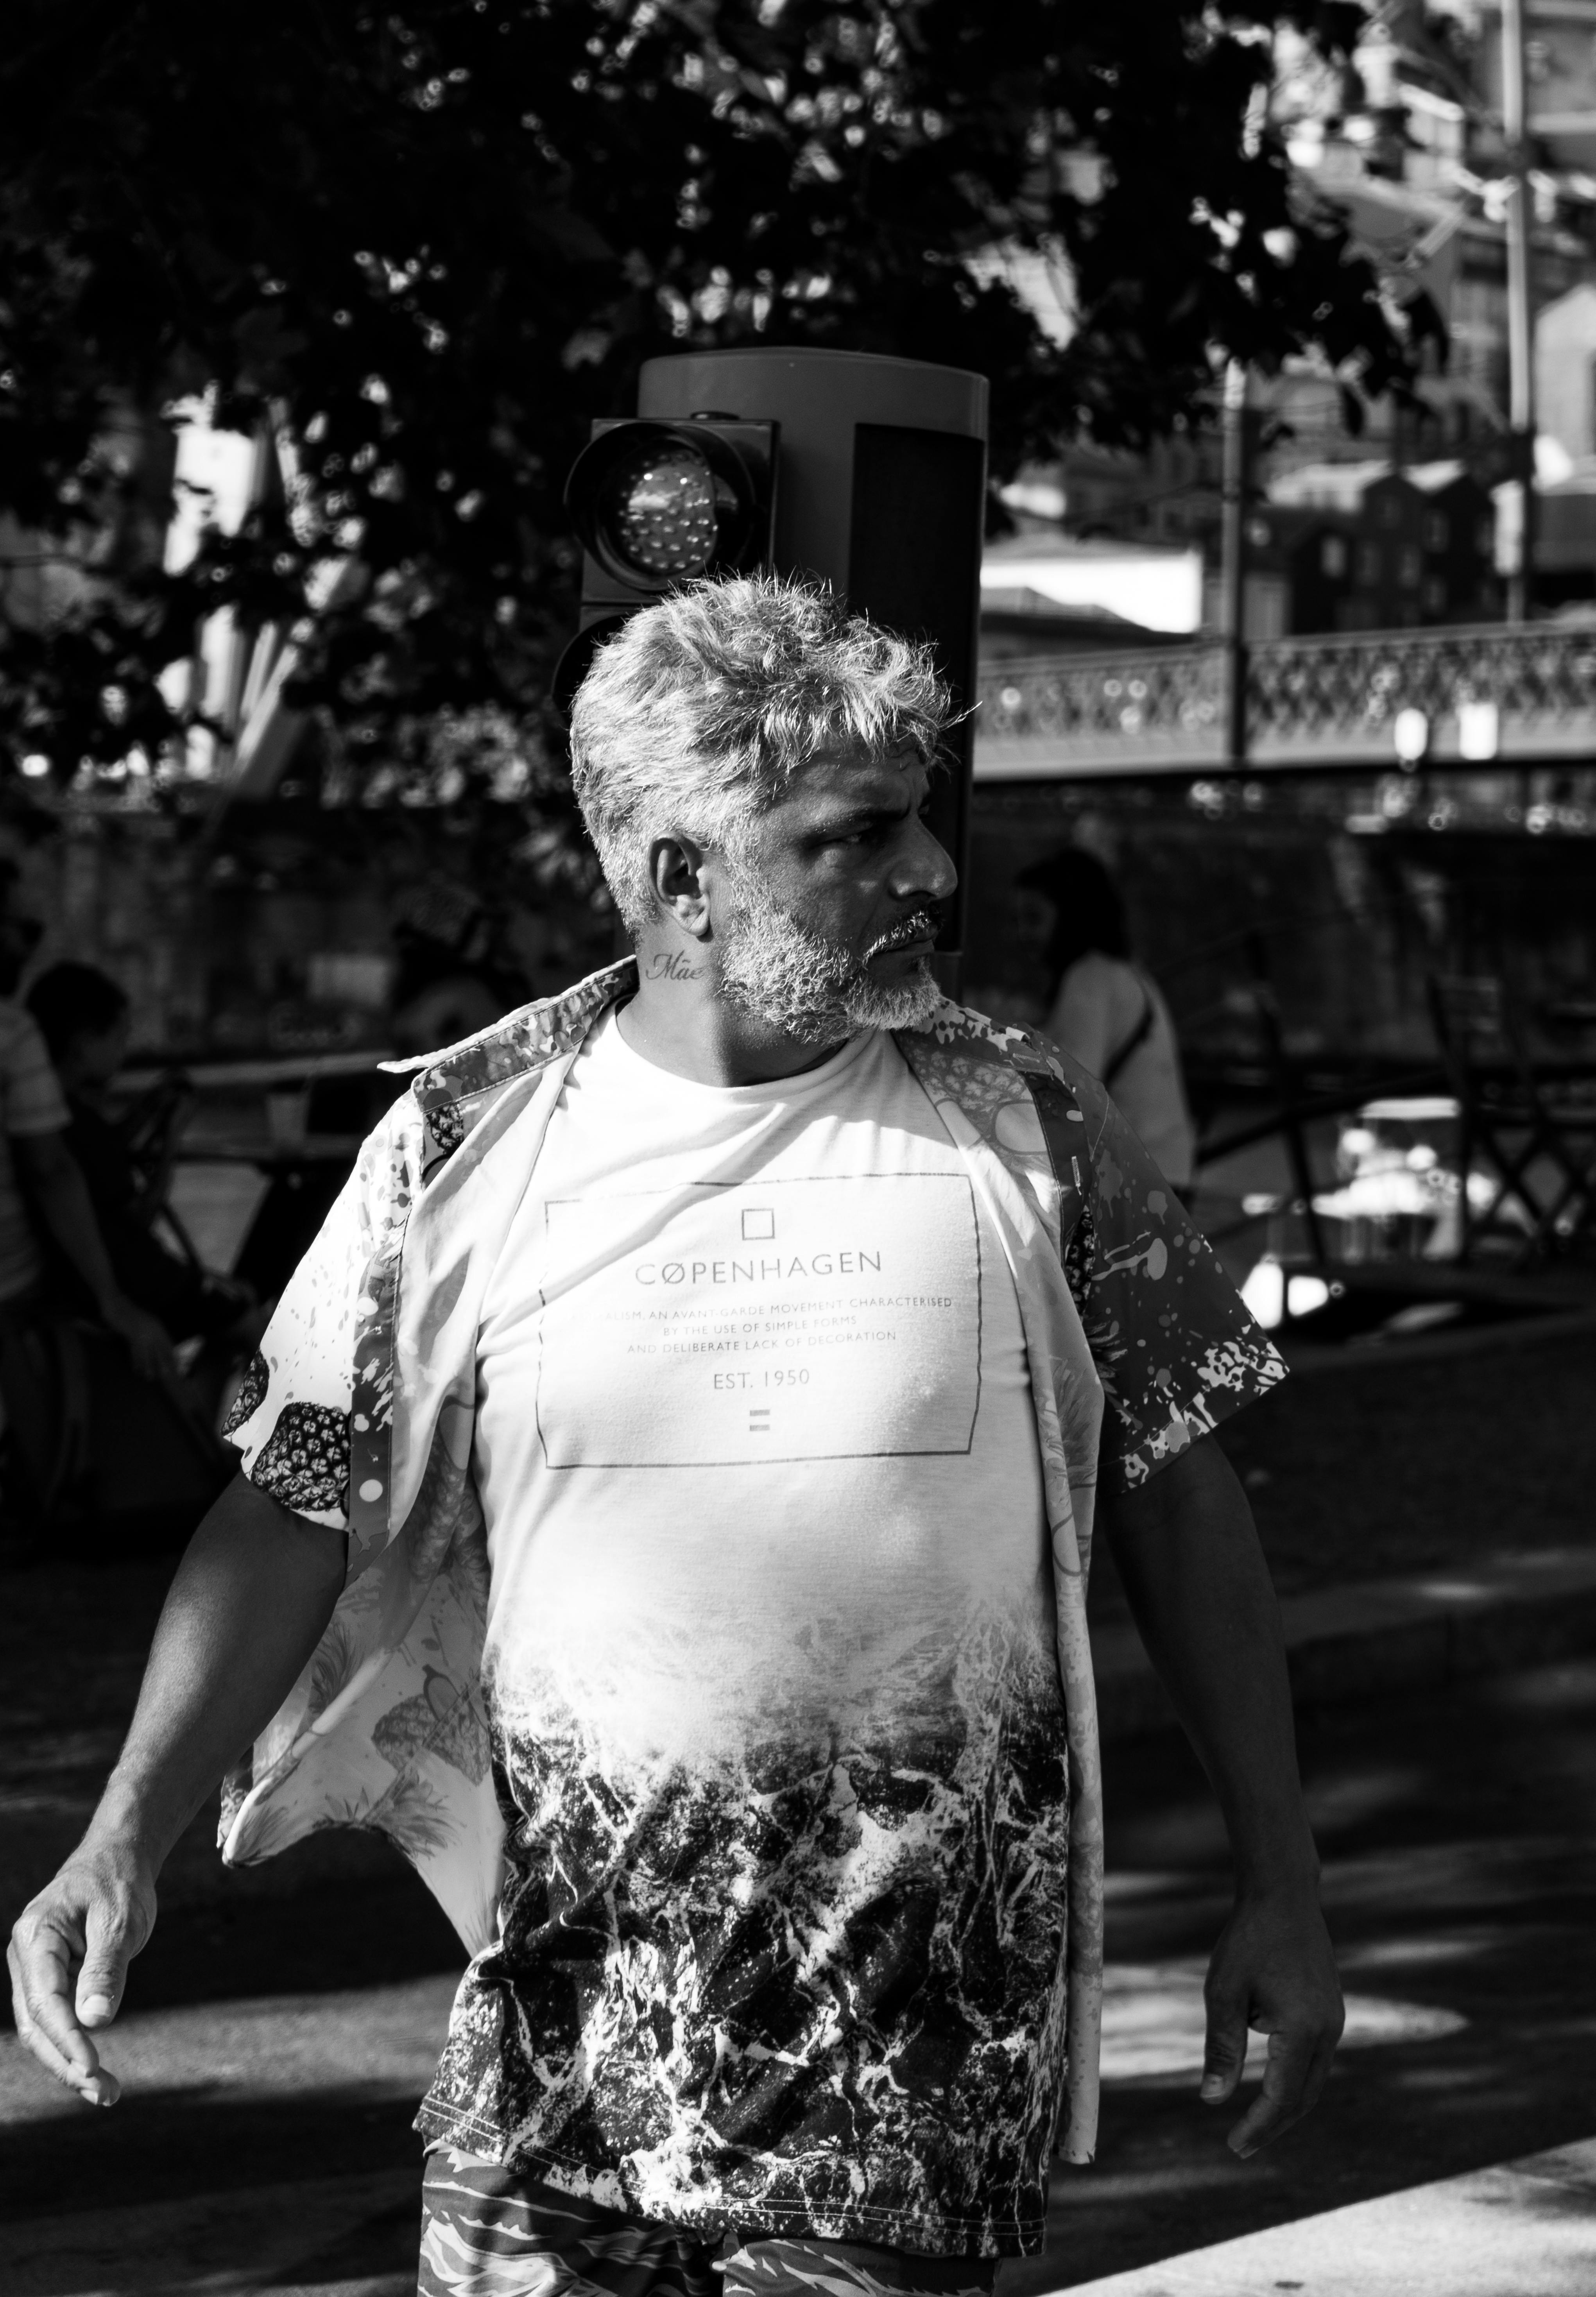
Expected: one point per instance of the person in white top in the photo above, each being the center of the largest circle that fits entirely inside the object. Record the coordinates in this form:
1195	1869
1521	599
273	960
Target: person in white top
1107	1010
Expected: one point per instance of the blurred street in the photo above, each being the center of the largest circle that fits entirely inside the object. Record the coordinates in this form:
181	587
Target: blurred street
281	2026
1459	1871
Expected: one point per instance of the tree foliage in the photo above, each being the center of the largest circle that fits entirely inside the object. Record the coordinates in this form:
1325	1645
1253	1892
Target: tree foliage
425	246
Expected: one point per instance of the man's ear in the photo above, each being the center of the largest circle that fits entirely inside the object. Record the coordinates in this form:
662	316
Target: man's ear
675	869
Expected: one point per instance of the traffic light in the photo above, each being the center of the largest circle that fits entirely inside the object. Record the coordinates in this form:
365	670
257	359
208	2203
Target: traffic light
868	473
660	503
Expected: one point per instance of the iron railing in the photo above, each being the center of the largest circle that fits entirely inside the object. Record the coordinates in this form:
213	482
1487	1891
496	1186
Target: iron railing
1310	701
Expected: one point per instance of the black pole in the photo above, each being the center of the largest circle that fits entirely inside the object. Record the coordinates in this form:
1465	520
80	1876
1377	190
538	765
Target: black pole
1521	327
1233	565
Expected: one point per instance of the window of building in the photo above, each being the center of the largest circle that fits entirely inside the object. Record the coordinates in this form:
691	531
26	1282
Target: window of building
1437	534
1368	565
1332	555
1389	512
1409	568
1435	596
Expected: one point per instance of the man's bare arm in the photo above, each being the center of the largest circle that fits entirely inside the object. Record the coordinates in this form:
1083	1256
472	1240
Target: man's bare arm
1201	1590
246	1611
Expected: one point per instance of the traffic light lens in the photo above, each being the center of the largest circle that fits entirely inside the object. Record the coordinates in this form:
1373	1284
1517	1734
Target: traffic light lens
663	511
658	503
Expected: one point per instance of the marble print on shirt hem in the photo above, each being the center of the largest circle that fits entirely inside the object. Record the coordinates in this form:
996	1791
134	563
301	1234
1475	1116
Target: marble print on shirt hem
993	2235
817	1977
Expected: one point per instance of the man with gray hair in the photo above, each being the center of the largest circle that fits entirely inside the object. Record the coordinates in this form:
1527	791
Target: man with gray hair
667	1496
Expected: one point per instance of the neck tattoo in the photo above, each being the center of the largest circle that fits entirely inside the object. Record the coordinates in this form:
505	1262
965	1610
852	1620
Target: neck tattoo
671	966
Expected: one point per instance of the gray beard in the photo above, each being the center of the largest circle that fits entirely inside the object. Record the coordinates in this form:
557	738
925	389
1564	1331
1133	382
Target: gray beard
785	976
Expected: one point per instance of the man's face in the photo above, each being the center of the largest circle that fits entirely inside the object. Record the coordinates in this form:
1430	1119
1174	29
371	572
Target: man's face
827	919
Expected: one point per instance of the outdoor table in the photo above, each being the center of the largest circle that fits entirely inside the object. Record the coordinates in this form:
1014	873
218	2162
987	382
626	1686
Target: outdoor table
269	1154
266	1120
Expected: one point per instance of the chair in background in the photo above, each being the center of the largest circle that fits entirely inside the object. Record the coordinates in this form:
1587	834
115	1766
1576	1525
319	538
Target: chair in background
151	1127
339	1112
99	1461
1530	1126
1294	1103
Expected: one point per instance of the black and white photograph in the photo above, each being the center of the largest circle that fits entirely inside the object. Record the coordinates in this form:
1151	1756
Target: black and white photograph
798	1149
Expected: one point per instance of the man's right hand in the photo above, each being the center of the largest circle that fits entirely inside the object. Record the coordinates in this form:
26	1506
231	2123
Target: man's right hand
252	1594
69	1958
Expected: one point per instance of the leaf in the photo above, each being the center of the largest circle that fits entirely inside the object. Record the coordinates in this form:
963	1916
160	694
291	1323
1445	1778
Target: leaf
571	236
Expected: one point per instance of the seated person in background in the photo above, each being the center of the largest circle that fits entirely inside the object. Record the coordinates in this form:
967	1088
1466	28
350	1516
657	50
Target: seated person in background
1102	1008
82	1016
42	1186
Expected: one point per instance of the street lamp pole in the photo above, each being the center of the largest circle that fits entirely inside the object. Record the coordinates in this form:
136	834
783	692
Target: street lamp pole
1232	564
1521	345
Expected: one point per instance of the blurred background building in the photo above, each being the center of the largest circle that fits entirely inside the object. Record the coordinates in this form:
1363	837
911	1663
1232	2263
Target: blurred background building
1416	799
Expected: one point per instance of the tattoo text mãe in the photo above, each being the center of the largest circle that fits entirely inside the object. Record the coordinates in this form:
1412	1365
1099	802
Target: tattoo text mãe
670	964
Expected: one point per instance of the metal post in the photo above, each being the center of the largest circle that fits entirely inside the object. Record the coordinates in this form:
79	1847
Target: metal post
1233	565
1266	1004
1521	342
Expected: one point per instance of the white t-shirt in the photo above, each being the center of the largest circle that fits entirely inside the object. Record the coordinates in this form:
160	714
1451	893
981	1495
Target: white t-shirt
772	1305
770	1653
1099	1017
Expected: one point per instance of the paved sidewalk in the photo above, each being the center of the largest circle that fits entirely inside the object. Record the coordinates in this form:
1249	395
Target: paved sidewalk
1459	1874
264	2143
1407	1635
307	2239
354	2236
348	2235
1523	2229
357	2045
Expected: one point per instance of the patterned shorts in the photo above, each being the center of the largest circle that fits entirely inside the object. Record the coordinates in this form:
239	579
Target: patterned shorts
488	2232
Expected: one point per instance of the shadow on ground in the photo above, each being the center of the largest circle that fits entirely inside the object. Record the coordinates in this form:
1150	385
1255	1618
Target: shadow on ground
1459	1837
1459	1834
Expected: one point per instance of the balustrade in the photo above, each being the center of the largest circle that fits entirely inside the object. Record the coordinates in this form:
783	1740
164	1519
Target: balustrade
1312	701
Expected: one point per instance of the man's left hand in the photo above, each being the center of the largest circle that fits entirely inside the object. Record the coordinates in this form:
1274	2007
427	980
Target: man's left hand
1273	1970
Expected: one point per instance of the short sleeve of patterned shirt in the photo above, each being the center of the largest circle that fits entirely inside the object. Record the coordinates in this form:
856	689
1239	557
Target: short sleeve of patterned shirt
293	1415
1174	1347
